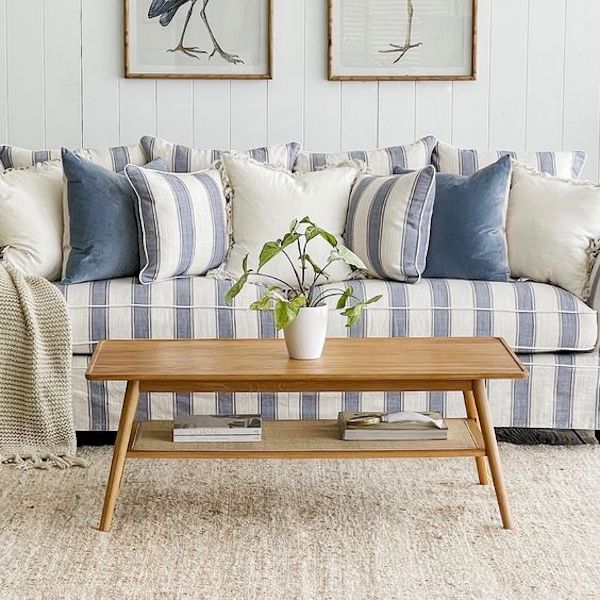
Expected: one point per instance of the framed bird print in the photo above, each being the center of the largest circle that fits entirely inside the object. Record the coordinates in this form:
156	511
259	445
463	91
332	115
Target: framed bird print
198	39
382	40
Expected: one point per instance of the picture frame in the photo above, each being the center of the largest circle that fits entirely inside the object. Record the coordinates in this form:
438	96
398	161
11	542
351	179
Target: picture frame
414	40
198	39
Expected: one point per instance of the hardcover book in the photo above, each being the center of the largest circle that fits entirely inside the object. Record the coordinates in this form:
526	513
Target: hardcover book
217	428
396	431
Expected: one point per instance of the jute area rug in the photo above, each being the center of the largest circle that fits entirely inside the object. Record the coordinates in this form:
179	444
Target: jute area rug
257	530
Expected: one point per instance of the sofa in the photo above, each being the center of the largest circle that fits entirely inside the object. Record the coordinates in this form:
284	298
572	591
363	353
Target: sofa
554	333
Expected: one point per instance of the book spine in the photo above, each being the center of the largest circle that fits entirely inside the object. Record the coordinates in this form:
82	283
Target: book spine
216	431
222	439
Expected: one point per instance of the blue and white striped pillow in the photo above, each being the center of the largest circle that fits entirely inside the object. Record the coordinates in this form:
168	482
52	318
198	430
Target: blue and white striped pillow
382	161
389	222
183	223
182	159
459	161
114	159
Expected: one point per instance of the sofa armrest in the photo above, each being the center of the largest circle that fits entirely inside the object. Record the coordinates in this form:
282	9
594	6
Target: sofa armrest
593	299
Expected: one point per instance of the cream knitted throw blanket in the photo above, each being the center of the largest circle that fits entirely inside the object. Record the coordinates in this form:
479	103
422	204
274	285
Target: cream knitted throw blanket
36	416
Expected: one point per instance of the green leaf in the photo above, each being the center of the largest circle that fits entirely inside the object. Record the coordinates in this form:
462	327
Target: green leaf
306	221
293	226
245	264
313	264
328	237
343	299
343	253
373	300
311	232
286	312
236	288
353	314
264	303
269	250
289	239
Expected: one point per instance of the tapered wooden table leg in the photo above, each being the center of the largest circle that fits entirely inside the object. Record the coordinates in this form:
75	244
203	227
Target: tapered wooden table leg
132	394
491	449
472	414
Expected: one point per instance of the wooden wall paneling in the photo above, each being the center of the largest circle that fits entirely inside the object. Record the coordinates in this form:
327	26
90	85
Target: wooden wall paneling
137	109
322	98
102	51
4	117
212	114
62	44
174	110
581	128
470	99
434	109
545	74
397	111
248	114
508	74
359	118
286	89
26	74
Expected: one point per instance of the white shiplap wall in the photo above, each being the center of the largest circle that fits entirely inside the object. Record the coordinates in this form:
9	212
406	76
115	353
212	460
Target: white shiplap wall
538	86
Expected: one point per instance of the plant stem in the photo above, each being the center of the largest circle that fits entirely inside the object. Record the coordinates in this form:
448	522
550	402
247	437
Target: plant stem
295	271
258	274
328	294
317	275
302	261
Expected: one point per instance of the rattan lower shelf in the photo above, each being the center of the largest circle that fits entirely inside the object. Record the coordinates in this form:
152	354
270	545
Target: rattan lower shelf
303	439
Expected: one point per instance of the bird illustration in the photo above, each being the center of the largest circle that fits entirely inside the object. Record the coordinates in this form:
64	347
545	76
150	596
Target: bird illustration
408	45
167	9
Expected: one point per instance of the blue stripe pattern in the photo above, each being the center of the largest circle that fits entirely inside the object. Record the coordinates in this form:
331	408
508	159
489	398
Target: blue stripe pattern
193	200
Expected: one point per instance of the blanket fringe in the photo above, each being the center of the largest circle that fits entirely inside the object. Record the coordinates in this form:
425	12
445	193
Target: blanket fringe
45	461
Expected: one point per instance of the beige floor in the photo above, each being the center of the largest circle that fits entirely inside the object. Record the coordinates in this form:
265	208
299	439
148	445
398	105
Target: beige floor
303	530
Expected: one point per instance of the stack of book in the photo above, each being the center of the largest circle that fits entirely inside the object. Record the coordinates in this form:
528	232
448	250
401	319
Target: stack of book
222	428
394	431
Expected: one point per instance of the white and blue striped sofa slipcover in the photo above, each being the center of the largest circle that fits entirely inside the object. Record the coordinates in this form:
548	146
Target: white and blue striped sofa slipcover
554	333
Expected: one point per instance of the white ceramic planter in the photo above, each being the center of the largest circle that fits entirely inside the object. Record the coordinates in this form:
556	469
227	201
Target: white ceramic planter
305	337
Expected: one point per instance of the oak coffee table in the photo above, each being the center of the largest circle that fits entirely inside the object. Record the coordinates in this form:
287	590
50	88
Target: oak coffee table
347	365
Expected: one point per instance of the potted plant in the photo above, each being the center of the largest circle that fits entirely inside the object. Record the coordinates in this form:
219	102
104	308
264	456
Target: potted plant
299	309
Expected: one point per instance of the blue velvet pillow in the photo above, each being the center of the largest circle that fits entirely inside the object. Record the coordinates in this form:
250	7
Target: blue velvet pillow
102	223
468	239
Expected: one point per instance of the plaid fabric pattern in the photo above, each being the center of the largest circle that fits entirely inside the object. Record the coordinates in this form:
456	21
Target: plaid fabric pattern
562	392
182	159
448	159
382	161
183	222
388	223
114	159
532	317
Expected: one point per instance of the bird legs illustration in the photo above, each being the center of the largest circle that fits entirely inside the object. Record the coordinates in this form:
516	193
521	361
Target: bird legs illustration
231	58
408	45
189	50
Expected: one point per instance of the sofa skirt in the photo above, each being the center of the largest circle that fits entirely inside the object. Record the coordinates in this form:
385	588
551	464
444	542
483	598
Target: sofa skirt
562	392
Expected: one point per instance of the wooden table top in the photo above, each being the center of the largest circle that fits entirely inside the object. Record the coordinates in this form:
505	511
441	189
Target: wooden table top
361	362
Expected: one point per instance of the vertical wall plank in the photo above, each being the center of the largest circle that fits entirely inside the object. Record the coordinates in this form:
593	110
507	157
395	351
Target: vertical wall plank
582	83
470	99
3	79
397	111
248	114
434	109
174	110
508	74
25	54
286	89
545	74
212	114
62	39
322	124
359	120
137	109
102	50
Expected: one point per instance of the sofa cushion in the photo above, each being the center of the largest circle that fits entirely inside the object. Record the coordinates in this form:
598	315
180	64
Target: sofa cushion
381	161
448	159
115	159
182	159
532	317
388	223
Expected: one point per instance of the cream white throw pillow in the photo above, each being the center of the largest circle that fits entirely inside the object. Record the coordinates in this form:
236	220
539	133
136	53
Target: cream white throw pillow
266	200
31	219
553	226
